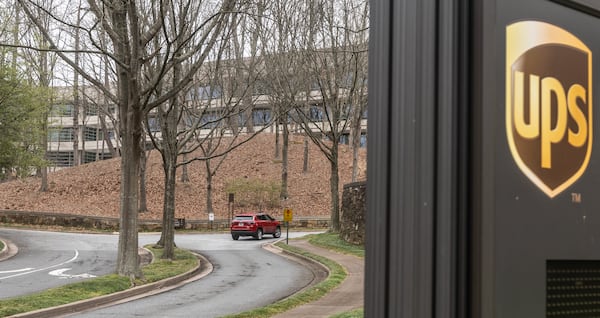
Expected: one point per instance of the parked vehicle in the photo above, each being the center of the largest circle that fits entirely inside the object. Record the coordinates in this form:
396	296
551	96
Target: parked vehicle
254	224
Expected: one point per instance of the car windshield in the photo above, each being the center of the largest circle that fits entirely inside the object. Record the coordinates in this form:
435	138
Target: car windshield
243	218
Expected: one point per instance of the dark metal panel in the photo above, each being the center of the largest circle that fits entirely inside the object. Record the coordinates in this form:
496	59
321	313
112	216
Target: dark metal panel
415	187
451	160
377	227
591	7
483	90
404	260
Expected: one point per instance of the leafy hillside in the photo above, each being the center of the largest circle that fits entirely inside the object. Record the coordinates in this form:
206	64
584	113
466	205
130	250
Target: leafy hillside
93	189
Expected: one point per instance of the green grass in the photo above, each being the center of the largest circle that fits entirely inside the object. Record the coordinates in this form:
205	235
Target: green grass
333	241
337	275
161	269
1	245
99	286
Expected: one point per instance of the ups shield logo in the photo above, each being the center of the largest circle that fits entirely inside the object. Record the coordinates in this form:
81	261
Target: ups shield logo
548	104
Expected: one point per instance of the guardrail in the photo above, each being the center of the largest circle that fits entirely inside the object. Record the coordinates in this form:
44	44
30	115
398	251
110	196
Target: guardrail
112	224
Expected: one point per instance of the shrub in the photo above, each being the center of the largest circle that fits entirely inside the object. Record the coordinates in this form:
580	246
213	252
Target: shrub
254	193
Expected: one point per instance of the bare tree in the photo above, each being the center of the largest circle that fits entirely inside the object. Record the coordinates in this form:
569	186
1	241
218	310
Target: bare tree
131	26
180	37
76	99
358	30
331	58
236	99
284	70
40	66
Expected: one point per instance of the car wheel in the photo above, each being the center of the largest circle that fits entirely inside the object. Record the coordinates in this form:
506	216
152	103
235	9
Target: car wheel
235	237
277	233
259	234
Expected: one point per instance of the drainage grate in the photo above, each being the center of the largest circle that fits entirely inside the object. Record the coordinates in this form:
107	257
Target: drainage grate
572	289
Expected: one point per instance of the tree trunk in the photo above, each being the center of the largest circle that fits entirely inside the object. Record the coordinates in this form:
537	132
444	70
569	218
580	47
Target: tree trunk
113	151
76	101
335	194
168	232
277	141
284	164
130	113
305	164
355	145
169	156
209	176
185	177
45	83
44	182
143	198
127	259
43	170
355	149
168	127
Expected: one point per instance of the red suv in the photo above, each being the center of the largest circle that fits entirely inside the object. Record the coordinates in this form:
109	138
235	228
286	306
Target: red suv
254	224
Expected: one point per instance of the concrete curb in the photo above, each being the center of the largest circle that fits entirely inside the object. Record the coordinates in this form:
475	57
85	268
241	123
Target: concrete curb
9	250
203	269
319	270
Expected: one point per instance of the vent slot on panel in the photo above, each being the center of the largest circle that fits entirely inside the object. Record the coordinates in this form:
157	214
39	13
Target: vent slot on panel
572	289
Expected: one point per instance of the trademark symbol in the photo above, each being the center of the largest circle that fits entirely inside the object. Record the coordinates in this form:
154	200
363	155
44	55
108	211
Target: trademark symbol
576	197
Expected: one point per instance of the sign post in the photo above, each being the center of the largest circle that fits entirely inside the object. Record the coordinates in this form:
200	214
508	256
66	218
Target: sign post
288	216
211	219
230	200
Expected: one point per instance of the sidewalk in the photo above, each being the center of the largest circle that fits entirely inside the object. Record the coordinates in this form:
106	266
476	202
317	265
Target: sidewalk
347	296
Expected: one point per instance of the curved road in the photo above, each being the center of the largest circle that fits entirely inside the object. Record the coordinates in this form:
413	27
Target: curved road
245	276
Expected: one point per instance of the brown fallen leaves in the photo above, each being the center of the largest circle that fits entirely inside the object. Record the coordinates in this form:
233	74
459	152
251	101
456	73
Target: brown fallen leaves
93	189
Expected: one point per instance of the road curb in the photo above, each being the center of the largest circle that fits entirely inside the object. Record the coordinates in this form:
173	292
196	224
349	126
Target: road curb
203	269
9	250
319	270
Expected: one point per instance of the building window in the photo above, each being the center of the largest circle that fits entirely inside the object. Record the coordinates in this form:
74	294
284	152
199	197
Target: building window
204	93
239	119
61	159
315	113
62	110
345	139
209	120
111	134
90	134
60	134
91	110
154	124
346	111
261	116
95	156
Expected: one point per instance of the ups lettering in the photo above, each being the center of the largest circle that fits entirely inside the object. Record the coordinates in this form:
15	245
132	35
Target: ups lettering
549	113
546	122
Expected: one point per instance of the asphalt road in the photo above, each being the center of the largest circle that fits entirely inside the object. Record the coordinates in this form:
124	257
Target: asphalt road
245	275
49	259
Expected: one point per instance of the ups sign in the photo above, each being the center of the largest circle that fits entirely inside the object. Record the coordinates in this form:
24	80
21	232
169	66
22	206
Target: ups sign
548	104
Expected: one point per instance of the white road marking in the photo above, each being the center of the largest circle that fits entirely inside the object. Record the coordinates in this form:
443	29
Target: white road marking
16	270
43	269
61	274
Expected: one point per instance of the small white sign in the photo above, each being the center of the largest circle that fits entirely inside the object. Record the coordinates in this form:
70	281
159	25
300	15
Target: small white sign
211	217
